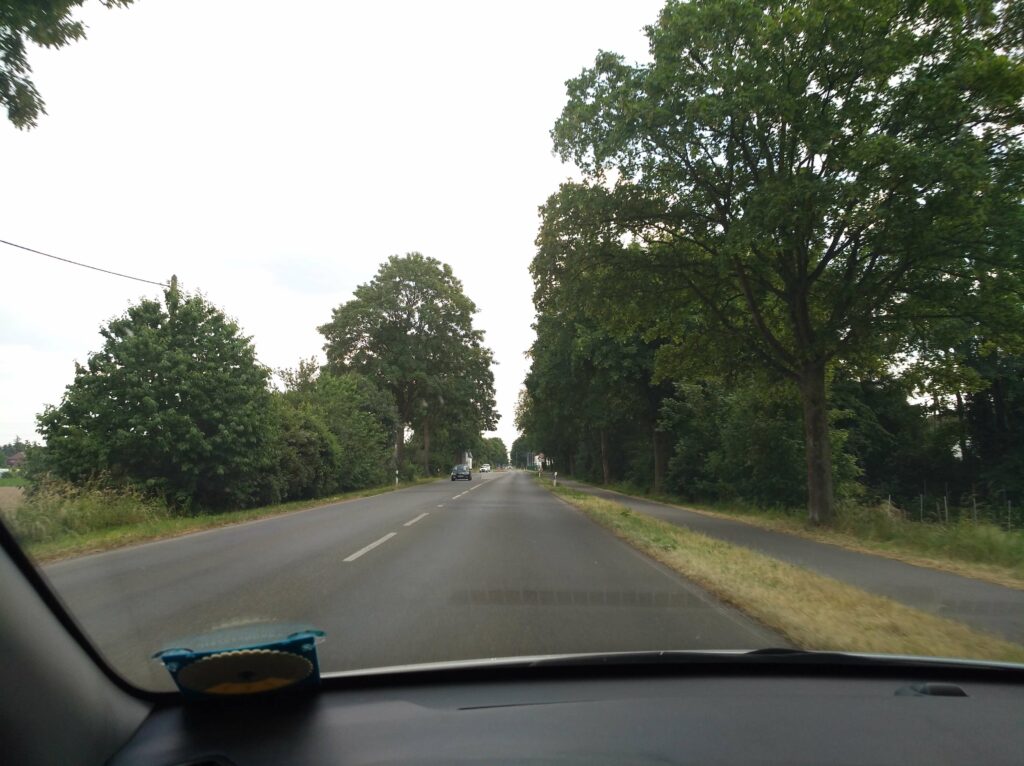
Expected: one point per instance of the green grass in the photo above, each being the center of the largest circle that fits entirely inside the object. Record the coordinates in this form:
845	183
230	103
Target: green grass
982	551
61	521
810	610
12	481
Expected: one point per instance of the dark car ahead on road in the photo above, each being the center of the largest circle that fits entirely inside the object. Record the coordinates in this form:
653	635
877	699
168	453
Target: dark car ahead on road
462	472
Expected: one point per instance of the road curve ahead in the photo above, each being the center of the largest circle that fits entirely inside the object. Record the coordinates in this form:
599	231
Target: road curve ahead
494	567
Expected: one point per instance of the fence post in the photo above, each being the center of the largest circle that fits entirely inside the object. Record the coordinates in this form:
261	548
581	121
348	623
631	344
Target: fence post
945	505
974	507
1009	518
920	508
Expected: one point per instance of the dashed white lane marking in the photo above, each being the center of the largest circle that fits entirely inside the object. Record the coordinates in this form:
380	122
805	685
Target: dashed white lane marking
370	547
441	505
459	495
410	523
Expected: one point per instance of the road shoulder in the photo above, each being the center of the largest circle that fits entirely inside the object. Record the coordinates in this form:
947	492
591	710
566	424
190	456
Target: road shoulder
810	610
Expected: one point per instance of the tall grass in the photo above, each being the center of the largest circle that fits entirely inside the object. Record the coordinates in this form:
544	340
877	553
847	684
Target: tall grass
887	529
58	520
981	542
57	509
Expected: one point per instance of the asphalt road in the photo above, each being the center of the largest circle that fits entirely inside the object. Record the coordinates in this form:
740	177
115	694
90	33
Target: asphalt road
495	567
986	606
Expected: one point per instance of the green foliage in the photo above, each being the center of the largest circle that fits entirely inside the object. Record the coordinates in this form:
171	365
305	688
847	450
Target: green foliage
331	434
521	448
175	404
56	508
306	456
491	450
786	187
361	418
13	448
47	23
963	540
410	331
742	441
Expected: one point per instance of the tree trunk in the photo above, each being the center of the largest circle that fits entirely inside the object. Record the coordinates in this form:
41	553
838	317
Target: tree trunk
658	440
426	448
605	472
816	441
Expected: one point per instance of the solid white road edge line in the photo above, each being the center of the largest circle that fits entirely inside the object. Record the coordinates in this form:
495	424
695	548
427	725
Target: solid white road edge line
410	523
370	547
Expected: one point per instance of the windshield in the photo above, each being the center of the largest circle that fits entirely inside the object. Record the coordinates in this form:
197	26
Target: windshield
713	307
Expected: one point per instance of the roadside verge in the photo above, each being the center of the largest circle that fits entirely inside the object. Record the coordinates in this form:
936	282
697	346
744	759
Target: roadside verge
810	610
981	543
148	530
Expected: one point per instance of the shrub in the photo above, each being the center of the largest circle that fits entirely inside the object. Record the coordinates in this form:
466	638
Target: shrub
55	508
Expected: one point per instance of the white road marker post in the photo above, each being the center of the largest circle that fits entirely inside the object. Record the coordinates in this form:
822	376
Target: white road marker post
556	478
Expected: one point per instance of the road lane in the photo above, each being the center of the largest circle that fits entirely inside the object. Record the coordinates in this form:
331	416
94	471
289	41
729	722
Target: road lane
516	571
503	568
268	569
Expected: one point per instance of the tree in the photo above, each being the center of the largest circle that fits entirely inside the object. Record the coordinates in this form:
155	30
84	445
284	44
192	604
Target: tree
43	22
14	447
410	330
491	450
332	433
305	455
175	402
522	447
362	419
795	174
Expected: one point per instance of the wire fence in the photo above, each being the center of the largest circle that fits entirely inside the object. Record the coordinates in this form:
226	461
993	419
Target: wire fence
1003	512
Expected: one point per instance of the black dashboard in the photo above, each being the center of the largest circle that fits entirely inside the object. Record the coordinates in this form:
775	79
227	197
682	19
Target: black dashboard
612	715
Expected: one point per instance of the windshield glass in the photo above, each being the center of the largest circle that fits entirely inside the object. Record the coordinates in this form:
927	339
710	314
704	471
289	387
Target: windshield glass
714	309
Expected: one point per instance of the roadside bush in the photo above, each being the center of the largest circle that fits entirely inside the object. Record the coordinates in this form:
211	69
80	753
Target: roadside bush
174	403
55	508
966	540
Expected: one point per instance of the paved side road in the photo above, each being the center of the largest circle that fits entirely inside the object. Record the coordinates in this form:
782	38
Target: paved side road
495	567
985	606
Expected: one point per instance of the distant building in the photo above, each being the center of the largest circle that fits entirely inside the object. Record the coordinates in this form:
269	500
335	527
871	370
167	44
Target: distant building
17	460
467	459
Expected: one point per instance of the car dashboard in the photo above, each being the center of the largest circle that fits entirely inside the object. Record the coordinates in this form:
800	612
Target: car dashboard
647	715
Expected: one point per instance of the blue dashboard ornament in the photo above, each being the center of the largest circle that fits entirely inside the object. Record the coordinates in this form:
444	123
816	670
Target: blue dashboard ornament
244	659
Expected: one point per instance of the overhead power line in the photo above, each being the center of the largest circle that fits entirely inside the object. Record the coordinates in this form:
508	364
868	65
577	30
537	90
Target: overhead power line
83	265
104	271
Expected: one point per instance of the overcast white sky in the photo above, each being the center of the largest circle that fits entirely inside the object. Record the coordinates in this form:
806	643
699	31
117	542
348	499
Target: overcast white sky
273	154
